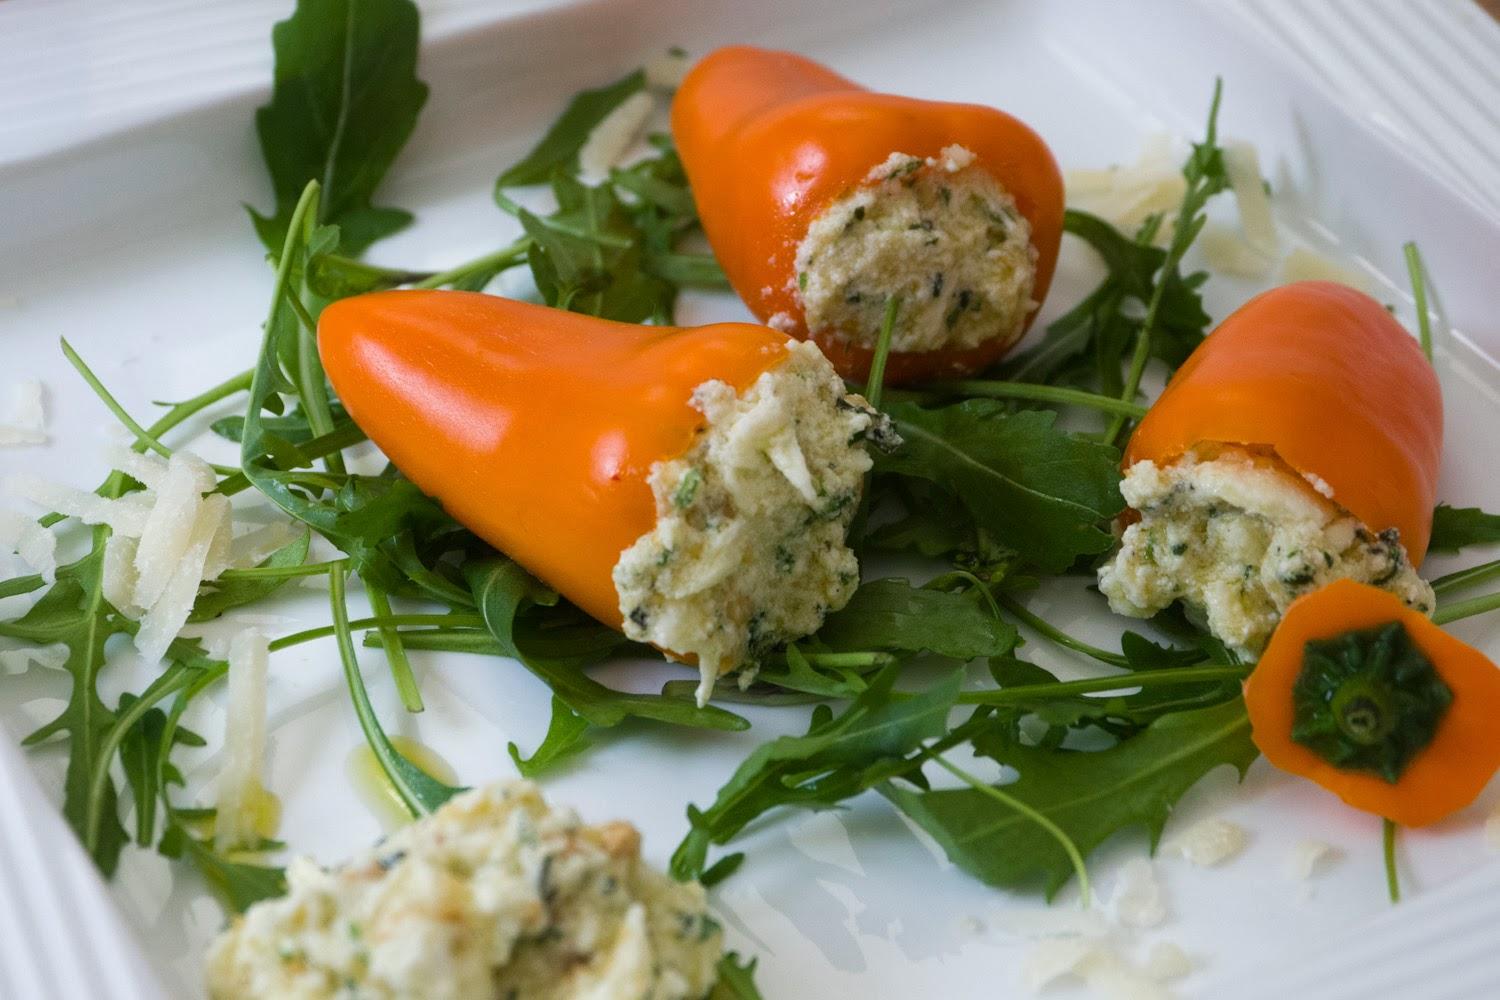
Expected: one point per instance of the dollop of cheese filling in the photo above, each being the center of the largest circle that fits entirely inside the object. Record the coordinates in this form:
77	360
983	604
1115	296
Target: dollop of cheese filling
748	548
494	895
1237	536
941	233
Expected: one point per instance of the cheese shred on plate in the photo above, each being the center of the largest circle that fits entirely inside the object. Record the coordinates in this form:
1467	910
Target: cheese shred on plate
942	234
1237	536
494	895
748	550
165	541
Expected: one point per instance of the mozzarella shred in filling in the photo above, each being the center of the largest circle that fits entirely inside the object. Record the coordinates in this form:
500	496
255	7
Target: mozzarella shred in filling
1237	536
748	550
494	895
942	234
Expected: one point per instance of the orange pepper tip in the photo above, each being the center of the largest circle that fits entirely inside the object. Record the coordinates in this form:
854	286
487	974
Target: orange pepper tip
789	162
1378	705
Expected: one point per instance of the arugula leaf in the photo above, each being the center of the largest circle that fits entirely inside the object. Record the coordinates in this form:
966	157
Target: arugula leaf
567	736
1090	796
736	981
141	759
838	757
217	598
504	592
588	257
1143	654
75	613
1454	528
894	615
239	884
559	147
344	101
1035	489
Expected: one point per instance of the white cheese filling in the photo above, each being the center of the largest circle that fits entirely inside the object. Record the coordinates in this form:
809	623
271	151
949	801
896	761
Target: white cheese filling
942	234
494	895
1237	538
748	548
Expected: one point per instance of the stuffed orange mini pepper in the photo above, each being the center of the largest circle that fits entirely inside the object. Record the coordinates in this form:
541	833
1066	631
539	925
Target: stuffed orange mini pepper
823	200
692	487
1374	702
1299	444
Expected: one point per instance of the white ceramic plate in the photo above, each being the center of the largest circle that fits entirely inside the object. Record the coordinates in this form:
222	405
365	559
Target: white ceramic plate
134	247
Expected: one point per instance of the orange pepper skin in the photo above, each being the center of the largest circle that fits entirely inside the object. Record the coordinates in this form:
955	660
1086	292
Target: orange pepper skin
769	139
1325	377
535	428
1444	777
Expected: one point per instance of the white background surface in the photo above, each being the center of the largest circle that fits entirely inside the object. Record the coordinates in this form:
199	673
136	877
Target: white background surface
131	243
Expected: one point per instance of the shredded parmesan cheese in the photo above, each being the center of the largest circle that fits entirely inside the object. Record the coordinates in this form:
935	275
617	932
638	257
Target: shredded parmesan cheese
1139	900
1304	265
1127	195
1308	855
240	792
665	71
1242	165
1228	252
36	546
1210	842
612	138
1167	962
27	420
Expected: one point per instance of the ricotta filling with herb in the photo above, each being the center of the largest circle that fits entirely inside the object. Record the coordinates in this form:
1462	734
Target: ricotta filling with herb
1237	537
749	547
494	895
941	233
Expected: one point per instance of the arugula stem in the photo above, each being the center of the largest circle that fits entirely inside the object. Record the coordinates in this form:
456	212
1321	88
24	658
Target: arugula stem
449	640
1188	226
379	744
279	572
991	389
21	585
875	384
1022	694
312	384
386	621
510	207
849	661
1467	577
350	434
1392	882
144	439
395	652
1085	892
1049	631
496	261
1417	272
1465	609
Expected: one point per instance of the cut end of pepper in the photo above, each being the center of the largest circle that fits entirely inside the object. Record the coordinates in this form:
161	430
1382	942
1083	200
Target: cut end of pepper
1371	700
1368	700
